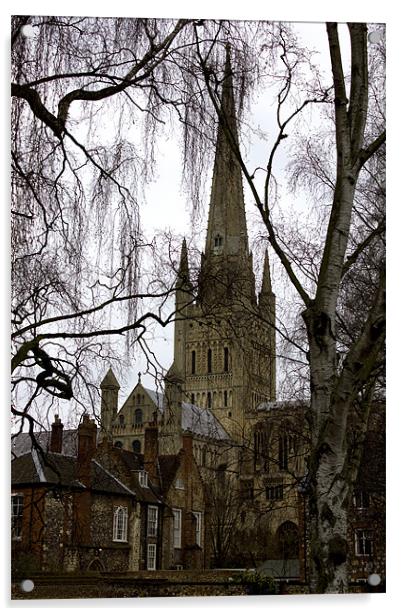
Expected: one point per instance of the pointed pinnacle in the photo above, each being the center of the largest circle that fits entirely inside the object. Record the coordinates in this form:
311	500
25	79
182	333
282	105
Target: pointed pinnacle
110	381
266	276
183	273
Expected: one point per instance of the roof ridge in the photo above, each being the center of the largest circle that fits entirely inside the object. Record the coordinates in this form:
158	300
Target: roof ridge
38	467
113	477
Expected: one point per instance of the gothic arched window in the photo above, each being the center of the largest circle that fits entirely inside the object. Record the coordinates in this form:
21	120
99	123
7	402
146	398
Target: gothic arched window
226	359
121	420
209	400
138	417
209	361
287	538
193	362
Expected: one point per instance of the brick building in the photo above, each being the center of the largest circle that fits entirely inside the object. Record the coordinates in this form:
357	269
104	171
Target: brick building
68	512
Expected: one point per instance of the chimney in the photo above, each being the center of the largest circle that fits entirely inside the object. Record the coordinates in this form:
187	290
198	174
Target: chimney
86	449
151	451
56	436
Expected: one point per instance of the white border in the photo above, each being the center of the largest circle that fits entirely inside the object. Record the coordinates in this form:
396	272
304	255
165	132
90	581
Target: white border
291	10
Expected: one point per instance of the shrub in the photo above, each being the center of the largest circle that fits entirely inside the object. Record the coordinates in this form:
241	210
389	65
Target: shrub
257	583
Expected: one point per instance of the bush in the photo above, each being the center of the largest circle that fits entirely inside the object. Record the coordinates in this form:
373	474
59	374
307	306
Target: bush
257	583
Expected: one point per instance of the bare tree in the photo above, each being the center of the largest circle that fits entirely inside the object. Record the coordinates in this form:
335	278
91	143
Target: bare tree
79	87
81	90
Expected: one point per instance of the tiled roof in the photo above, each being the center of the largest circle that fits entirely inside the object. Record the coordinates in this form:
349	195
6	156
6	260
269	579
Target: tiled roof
157	398
58	469
202	422
282	405
22	443
134	462
168	467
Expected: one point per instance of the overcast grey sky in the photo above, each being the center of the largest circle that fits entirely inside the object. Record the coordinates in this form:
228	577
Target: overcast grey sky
167	208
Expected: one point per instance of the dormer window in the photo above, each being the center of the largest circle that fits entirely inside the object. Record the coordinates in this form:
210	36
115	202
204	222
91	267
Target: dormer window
143	479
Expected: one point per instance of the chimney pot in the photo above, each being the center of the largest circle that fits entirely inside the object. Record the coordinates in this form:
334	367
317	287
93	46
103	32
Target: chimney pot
56	436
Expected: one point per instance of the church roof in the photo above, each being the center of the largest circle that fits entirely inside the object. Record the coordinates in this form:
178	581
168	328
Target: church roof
156	397
282	405
201	422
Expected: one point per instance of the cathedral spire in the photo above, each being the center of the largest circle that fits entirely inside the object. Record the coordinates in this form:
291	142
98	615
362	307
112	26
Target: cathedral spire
227	230
226	249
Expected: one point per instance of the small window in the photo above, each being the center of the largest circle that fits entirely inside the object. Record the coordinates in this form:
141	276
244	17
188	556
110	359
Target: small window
151	556
246	489
143	479
283	453
274	492
361	499
138	419
152	521
177	528
364	542
118	444
193	362
209	361
136	445
226	359
121	421
120	523
218	241
209	400
192	398
198	519
179	484
17	504
225	398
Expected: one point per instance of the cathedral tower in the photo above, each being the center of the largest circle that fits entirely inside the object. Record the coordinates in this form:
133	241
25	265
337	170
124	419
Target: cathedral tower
225	341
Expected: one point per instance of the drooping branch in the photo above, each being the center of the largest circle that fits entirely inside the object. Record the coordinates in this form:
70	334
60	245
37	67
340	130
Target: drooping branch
352	258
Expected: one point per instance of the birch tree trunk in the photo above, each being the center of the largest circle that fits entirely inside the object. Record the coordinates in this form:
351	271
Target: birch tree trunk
334	391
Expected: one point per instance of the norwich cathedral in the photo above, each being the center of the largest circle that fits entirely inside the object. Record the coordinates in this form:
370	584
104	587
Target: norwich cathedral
208	471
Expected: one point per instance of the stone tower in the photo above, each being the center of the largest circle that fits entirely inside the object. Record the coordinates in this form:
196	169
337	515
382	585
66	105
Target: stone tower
109	401
224	345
